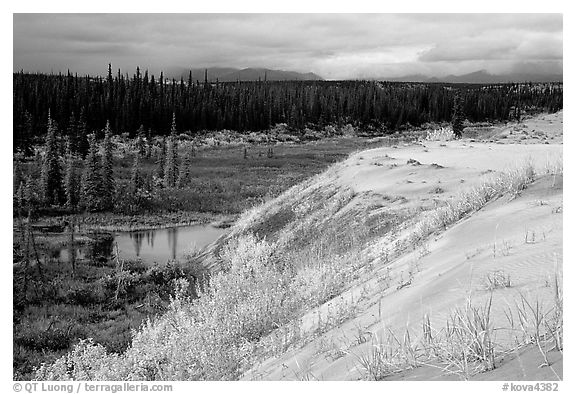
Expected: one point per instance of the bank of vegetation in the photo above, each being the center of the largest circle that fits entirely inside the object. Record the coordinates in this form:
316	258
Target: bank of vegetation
251	307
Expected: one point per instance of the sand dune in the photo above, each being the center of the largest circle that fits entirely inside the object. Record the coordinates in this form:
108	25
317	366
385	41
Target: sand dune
516	240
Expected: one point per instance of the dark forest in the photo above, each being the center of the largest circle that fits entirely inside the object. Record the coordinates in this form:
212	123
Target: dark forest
81	105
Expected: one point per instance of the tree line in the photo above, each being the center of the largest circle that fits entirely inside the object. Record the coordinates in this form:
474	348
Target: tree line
68	181
81	105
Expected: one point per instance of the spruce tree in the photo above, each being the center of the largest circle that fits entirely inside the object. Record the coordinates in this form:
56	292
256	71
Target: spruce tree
82	144
51	176
71	132
71	182
28	131
148	143
171	172
136	179
17	176
184	174
107	170
17	187
91	180
20	202
174	147
141	141
162	159
458	116
30	196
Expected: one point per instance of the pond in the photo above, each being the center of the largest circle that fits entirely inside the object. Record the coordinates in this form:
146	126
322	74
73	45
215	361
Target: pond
151	246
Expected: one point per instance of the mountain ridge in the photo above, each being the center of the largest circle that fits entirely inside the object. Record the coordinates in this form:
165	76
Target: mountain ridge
480	76
231	74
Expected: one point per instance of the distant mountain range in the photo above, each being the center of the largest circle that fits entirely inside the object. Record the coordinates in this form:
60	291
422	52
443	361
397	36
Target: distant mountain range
228	74
479	77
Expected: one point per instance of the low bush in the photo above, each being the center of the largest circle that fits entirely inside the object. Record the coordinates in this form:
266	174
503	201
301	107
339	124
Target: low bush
217	335
441	134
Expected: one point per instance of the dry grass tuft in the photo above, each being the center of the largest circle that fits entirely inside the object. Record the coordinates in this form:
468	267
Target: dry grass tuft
441	134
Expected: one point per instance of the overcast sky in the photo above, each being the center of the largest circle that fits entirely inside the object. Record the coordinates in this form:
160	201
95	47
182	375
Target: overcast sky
335	46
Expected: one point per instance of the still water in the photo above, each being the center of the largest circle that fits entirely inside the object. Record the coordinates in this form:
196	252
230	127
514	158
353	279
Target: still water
165	244
152	246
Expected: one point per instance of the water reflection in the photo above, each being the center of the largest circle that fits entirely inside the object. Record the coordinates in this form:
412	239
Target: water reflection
172	241
165	244
139	236
100	249
152	246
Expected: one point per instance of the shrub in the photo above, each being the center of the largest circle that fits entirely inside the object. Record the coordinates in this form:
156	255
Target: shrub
348	130
87	361
131	202
215	336
441	134
330	131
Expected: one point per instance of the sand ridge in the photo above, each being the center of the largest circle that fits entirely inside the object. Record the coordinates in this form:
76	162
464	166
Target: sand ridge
519	239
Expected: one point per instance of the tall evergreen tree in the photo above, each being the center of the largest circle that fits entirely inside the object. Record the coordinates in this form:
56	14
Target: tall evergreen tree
51	176
19	201
71	132
458	115
171	172
71	181
91	197
17	187
82	144
136	179
107	170
17	176
148	143
30	195
184	173
141	141
162	159
22	141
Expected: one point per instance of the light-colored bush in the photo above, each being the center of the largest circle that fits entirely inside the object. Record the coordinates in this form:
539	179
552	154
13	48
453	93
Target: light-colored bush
441	134
217	335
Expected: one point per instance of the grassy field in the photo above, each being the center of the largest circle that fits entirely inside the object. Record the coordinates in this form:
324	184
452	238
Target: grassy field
223	181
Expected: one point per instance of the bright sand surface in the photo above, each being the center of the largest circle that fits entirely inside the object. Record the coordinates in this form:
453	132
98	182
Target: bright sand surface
517	239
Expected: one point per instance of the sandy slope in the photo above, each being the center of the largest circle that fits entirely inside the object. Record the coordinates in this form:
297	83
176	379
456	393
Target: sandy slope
519	239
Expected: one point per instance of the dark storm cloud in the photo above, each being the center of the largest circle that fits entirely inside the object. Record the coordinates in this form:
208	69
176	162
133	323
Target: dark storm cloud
332	45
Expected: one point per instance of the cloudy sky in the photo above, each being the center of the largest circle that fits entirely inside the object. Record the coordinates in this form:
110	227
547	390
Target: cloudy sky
335	46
